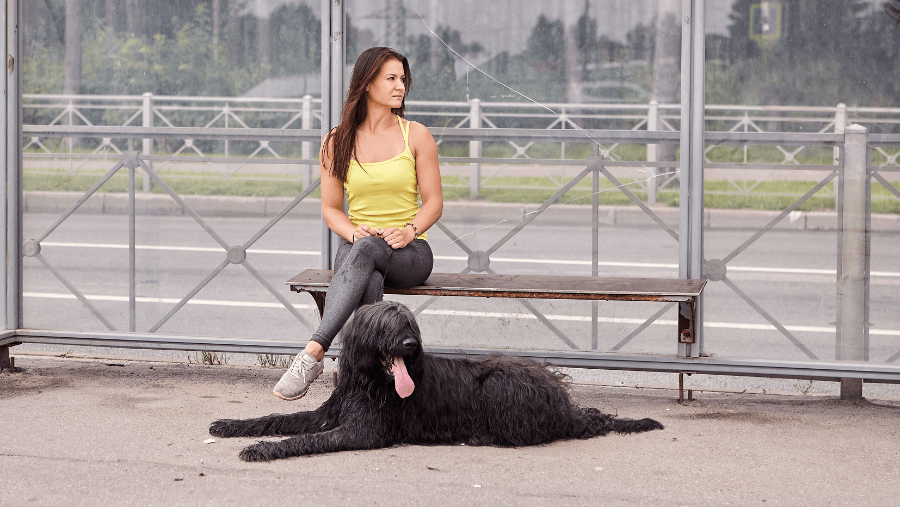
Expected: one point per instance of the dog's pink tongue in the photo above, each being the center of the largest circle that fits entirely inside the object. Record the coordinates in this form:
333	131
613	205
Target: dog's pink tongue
402	383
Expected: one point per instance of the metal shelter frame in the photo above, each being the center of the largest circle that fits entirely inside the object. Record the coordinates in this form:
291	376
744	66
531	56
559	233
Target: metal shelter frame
853	171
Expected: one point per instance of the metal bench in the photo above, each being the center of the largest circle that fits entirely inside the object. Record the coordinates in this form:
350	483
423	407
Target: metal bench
685	292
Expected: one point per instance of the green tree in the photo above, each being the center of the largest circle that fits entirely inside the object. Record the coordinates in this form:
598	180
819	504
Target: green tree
295	36
545	49
434	66
828	51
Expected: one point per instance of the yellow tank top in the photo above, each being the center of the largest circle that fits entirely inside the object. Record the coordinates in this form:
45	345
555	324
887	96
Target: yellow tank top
384	194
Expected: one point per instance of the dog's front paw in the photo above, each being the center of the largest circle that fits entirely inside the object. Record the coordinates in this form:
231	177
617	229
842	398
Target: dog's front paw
255	452
223	428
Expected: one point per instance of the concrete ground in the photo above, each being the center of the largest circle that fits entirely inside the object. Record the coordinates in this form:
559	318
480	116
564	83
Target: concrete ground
123	431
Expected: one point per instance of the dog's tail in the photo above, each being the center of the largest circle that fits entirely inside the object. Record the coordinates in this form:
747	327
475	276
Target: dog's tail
602	424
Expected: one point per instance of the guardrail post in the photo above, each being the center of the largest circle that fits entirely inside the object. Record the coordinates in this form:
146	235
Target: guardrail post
306	124
73	141
148	143
840	123
475	148
652	151
853	286
226	112
563	120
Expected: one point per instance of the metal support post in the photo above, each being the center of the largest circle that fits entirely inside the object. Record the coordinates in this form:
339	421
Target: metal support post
132	279
8	244
855	242
12	147
690	396
333	59
597	161
652	151
148	143
475	148
690	233
306	171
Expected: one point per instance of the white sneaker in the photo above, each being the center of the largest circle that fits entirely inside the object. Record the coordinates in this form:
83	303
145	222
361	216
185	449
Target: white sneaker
295	382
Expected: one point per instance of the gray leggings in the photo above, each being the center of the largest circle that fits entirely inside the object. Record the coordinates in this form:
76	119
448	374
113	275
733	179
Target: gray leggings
362	269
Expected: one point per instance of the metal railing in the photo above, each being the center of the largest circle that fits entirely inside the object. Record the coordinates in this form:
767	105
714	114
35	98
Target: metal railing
509	155
853	170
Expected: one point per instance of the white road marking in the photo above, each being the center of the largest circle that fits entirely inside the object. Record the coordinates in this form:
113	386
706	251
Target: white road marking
466	314
643	265
143	299
175	248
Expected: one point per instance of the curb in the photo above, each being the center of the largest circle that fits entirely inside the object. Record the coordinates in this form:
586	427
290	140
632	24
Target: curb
458	211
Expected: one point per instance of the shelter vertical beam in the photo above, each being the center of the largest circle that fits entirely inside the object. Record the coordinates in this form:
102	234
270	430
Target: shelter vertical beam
12	295
690	234
333	58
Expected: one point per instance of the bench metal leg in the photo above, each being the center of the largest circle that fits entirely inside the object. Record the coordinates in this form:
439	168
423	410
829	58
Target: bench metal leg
6	362
687	329
681	389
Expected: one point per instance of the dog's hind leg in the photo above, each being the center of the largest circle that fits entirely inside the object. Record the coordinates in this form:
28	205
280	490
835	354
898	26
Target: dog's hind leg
322	419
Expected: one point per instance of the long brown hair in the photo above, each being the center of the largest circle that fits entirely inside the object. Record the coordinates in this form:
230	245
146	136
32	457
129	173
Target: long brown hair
343	137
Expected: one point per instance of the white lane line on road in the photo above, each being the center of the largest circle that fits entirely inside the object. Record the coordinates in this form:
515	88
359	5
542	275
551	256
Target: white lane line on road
467	314
176	248
615	320
142	299
755	269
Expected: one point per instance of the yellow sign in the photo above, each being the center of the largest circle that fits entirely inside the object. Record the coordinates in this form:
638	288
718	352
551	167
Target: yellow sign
765	21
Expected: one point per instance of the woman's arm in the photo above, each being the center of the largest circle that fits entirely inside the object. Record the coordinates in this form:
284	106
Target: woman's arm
333	202
428	175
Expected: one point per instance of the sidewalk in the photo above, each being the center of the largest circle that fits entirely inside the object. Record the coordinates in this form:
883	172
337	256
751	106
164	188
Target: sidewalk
116	431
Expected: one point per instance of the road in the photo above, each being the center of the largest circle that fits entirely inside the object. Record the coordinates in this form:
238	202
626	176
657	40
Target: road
788	274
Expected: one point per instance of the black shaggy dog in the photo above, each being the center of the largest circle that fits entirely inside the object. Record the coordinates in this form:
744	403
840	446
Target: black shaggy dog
390	392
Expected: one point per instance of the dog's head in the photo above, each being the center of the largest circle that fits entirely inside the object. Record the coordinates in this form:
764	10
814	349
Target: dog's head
382	343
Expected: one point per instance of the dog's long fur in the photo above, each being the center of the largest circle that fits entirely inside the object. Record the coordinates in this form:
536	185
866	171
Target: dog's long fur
502	401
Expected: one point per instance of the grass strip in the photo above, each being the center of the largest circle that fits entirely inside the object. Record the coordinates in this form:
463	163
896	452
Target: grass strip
719	194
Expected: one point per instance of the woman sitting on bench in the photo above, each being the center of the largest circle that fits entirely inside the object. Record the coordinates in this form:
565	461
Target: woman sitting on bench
383	239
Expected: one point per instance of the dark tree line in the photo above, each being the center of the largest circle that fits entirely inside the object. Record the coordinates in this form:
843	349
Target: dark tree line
173	47
827	51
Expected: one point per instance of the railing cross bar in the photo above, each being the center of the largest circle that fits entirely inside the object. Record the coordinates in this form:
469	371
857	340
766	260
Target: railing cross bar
780	217
534	214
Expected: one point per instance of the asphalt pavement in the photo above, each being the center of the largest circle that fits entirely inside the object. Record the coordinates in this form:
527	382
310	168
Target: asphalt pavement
126	431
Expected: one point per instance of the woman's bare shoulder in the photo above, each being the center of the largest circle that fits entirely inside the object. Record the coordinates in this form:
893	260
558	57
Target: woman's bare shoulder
419	132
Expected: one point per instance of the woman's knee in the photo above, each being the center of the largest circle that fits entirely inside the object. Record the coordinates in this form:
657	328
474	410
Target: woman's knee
370	246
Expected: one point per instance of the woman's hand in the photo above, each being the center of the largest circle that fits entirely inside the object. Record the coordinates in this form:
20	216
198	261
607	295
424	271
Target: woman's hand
364	230
398	238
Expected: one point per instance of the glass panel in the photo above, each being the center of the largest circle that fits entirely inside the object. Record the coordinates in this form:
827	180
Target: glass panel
799	67
169	63
559	68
